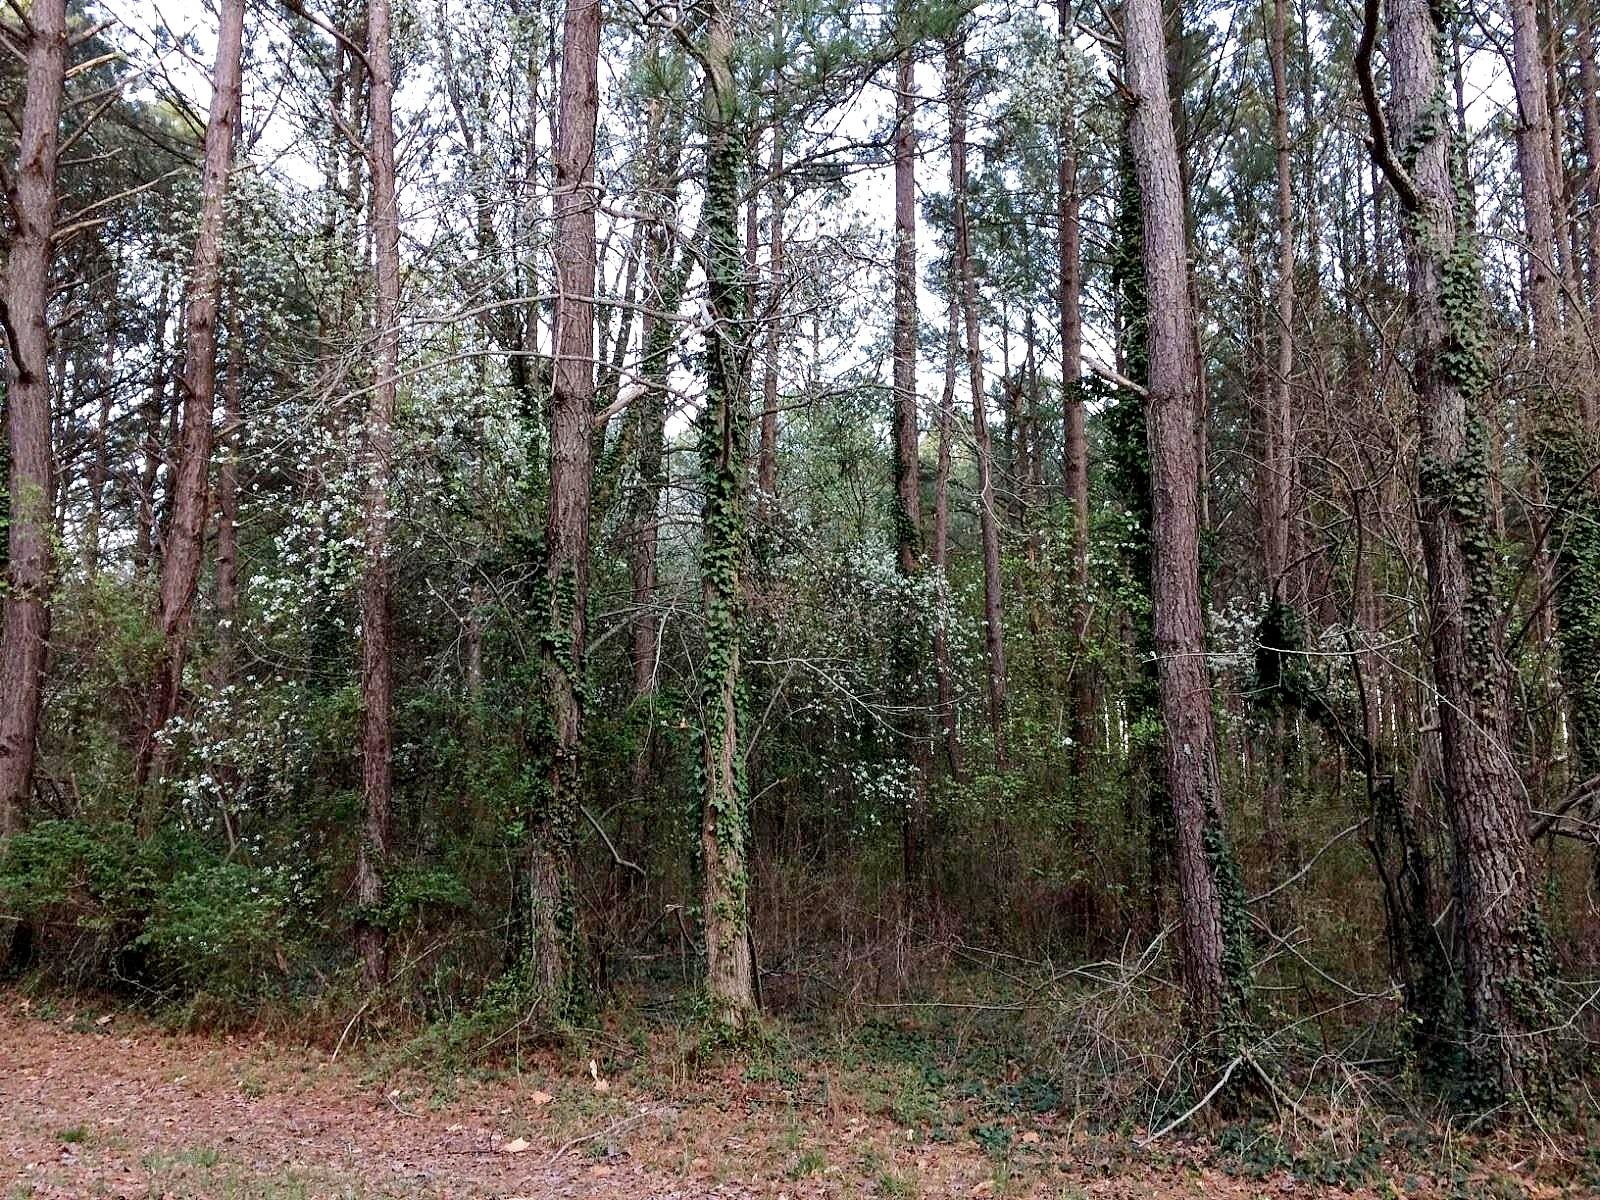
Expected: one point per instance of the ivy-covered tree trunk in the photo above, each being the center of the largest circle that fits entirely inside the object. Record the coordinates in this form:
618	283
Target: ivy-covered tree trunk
185	545
1502	938
988	523
554	828
24	645
1212	943
724	798
1562	443
377	652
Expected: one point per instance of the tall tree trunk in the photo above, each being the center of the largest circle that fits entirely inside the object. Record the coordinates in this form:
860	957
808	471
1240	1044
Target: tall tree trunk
99	463
1589	89
993	609
907	459
25	642
551	886
1570	558
724	800
1211	966
767	462
941	534
185	543
377	651
1277	493
1074	439
1502	938
154	412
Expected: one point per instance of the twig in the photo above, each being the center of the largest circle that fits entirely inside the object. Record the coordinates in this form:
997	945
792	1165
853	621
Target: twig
1146	1143
614	1127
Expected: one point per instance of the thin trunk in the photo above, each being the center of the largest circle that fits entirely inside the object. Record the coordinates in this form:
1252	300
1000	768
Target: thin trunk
941	535
377	652
185	542
907	461
227	555
724	800
1589	86
154	413
25	642
1210	968
1502	937
1074	439
767	463
993	611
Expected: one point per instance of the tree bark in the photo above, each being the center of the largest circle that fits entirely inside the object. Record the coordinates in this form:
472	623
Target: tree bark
551	886
1172	414
993	603
907	461
185	543
1074	439
377	652
25	642
1501	935
724	800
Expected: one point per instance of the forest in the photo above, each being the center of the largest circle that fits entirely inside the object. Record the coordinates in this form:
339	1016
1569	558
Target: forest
1070	526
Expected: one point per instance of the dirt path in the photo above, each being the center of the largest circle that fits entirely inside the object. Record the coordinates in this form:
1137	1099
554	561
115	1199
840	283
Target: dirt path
114	1108
95	1104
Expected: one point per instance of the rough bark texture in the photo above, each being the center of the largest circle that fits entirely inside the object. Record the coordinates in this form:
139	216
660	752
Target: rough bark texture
554	830
32	199
1171	416
993	603
377	654
1501	936
724	800
185	543
907	463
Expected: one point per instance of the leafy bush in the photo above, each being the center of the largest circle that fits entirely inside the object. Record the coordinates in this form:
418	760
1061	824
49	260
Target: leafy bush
222	928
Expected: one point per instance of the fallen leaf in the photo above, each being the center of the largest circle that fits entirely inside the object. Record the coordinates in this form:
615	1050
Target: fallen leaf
600	1085
1031	1138
984	1188
600	1170
519	1146
540	1099
105	1020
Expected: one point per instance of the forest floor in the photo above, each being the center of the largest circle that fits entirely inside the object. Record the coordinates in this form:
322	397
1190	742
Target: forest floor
98	1103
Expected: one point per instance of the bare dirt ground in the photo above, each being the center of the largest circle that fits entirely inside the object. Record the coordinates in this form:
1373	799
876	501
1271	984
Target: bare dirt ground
97	1104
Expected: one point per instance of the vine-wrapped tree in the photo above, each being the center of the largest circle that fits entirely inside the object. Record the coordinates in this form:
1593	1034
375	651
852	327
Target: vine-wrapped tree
1502	935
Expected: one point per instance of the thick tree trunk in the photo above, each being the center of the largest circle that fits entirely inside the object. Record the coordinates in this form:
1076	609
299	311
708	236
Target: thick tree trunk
185	543
907	463
724	800
993	604
554	831
25	642
1172	414
1502	937
377	651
